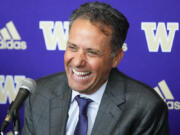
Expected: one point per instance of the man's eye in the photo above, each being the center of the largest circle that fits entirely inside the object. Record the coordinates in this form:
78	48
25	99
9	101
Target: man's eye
93	53
72	47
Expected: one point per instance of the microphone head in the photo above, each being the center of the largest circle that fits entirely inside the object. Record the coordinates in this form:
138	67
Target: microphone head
28	84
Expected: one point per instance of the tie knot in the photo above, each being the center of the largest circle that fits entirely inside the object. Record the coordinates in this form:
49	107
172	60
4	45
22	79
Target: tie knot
83	104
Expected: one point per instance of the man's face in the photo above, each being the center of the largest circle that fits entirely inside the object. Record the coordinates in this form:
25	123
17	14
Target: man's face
87	59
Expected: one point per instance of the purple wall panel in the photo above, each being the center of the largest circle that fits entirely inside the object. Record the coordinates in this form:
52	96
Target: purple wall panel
151	55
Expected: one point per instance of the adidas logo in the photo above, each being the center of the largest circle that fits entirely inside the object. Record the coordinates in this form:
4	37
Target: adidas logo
165	93
10	38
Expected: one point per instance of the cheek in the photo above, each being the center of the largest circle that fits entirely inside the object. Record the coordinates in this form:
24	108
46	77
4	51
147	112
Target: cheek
67	57
95	64
100	66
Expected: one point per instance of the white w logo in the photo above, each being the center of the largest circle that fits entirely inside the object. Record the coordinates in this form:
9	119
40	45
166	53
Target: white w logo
55	34
9	86
161	37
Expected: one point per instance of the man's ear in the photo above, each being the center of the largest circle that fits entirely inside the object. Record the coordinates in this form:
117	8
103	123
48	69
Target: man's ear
117	58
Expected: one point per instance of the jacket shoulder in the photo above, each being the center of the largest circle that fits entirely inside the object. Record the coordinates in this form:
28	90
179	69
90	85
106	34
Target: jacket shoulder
138	93
47	85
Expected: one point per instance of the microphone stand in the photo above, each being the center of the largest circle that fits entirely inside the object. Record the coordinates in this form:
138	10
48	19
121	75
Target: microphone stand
16	123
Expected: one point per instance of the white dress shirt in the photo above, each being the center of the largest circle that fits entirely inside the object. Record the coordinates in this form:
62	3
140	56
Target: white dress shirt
91	112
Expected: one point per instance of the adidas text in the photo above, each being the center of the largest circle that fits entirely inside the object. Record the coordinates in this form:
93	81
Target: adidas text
10	38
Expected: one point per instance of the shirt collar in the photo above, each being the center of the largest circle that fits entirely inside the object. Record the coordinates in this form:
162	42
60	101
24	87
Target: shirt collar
96	96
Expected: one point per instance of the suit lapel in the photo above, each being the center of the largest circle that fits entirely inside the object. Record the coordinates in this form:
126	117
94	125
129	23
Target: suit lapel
109	110
59	106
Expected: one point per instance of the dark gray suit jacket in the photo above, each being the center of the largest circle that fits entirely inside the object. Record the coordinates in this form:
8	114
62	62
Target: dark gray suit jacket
128	107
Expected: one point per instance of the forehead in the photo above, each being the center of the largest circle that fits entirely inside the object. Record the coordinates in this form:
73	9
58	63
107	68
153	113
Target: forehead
85	33
104	28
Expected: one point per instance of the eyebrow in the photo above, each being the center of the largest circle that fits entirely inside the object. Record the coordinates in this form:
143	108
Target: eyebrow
71	43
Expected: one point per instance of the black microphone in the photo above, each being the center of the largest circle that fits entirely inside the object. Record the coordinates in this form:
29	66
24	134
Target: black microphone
27	86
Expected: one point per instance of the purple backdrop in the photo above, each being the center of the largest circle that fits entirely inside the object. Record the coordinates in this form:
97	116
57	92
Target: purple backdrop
33	35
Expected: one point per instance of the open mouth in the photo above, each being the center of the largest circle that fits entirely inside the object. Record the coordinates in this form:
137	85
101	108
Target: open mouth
81	75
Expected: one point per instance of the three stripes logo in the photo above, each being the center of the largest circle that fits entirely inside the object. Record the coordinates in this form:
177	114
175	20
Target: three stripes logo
10	38
165	93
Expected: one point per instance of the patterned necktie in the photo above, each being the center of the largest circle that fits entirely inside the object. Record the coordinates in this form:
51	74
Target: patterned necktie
82	125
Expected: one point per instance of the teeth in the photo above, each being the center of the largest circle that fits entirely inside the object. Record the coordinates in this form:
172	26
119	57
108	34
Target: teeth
80	73
82	78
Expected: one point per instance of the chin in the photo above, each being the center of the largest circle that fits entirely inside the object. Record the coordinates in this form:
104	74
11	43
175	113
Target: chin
80	89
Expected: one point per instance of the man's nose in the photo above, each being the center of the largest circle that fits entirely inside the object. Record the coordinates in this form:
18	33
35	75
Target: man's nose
80	59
